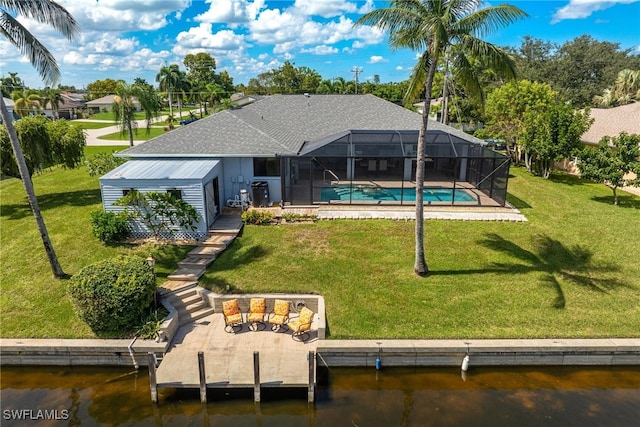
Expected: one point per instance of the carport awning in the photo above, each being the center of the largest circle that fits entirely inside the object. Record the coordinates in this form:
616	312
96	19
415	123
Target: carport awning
162	169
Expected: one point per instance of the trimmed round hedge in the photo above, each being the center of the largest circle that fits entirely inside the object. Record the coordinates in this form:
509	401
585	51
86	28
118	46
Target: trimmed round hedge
113	295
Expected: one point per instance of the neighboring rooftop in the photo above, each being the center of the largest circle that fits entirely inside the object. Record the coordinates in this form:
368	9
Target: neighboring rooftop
612	121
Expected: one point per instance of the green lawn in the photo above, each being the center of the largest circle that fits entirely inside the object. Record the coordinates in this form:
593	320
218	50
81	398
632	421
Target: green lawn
32	303
571	271
92	125
139	115
108	115
141	135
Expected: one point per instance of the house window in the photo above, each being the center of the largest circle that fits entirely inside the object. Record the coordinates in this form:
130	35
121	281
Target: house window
175	193
125	191
266	166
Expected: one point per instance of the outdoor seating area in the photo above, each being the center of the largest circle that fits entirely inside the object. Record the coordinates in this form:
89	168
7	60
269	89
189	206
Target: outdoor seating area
280	318
232	316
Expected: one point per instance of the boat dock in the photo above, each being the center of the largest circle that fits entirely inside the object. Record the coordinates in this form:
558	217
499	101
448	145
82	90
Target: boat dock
247	359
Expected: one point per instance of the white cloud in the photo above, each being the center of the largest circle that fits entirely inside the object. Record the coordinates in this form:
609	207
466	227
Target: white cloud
123	15
376	59
273	26
325	8
201	37
367	7
399	68
321	50
231	11
578	9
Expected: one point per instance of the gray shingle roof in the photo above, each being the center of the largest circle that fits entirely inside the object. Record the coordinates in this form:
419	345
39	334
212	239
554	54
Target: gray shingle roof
280	124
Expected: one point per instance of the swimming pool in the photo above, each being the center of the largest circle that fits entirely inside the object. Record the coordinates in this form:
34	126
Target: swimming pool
364	193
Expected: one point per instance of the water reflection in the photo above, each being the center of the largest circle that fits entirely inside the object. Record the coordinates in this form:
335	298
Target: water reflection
345	397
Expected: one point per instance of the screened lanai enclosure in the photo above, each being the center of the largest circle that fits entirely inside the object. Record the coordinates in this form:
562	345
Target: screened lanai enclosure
379	168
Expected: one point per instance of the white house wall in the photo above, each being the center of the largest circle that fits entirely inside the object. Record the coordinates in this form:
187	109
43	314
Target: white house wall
192	193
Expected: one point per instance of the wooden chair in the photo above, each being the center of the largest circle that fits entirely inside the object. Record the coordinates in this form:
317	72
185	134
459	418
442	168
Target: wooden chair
232	316
300	325
278	319
256	314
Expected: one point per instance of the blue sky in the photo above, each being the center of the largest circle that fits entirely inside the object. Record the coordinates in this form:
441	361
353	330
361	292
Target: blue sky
125	39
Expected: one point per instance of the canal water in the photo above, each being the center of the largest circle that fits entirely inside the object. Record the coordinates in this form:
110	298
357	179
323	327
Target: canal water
532	396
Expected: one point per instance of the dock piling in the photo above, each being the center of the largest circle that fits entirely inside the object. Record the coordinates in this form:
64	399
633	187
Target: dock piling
203	378
312	385
256	376
151	362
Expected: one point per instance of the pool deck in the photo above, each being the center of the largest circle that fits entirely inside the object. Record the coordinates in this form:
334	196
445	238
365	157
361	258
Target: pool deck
403	213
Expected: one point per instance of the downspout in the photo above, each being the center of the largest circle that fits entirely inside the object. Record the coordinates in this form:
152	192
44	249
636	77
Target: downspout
133	358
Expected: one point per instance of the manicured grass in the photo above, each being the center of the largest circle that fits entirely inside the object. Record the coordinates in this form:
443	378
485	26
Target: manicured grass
108	115
139	115
92	125
91	150
141	135
32	303
571	271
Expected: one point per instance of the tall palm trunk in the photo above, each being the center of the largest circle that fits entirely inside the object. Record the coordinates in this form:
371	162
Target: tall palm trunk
130	132
170	103
31	196
420	267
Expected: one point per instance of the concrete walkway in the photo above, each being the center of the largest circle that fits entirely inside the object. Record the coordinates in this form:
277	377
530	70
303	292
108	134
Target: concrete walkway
93	135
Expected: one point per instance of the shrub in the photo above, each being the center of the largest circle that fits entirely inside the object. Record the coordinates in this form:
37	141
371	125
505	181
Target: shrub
151	326
295	217
160	212
101	163
256	217
110	226
113	295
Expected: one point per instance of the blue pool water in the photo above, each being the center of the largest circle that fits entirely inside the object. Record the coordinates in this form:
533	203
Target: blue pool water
370	193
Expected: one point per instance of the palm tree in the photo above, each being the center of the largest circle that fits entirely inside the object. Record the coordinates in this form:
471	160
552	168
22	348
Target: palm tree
435	27
52	97
125	105
214	93
168	78
625	90
25	102
183	85
50	13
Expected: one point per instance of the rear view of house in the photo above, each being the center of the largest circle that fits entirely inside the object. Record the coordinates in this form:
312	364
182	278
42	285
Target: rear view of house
311	150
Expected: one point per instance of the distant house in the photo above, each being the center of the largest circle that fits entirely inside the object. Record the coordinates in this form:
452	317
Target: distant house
607	122
613	121
68	108
106	103
310	150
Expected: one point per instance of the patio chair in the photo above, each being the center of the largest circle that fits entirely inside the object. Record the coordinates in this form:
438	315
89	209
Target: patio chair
300	325
256	314
278	319
232	316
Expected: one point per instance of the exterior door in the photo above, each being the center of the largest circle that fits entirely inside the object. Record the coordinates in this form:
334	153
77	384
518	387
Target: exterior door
212	196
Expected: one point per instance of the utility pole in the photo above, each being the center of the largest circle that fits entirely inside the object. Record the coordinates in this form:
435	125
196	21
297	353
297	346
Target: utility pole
356	71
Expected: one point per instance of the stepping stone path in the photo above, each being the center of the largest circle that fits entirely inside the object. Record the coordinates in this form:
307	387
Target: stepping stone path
181	288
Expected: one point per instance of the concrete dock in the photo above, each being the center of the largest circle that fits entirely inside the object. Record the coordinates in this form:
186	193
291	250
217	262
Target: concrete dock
229	357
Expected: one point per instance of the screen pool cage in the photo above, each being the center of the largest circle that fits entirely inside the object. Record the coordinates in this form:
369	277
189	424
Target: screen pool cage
379	168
